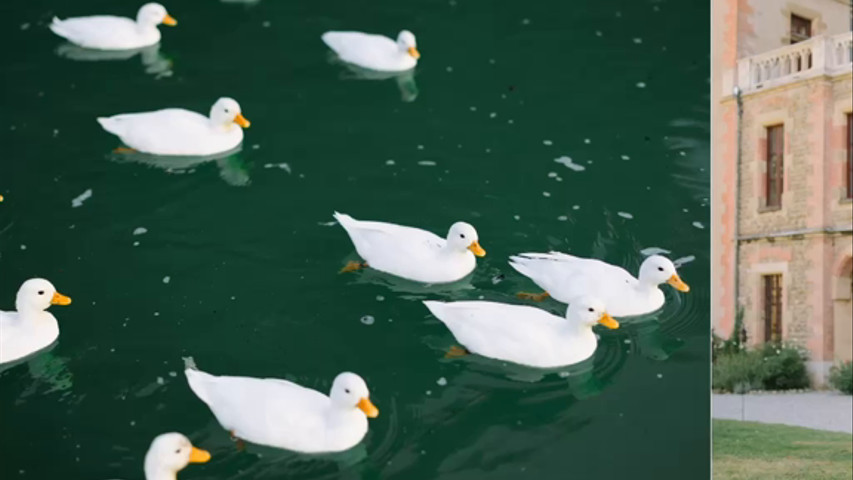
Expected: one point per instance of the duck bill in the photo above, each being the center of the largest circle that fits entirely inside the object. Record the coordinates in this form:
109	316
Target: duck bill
677	283
198	455
608	321
369	409
241	120
169	20
60	299
476	249
414	53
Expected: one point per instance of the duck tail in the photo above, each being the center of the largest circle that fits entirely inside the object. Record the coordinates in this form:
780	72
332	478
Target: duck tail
435	307
198	381
343	219
58	28
112	125
521	264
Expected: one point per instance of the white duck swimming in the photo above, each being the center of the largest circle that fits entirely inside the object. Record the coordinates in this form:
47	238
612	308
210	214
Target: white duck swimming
175	131
107	32
30	328
375	52
525	335
565	277
412	253
169	454
282	414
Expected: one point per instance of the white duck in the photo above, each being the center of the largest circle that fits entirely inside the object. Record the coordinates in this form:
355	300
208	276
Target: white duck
375	52
175	131
412	253
30	328
282	414
169	454
107	32
525	335
565	277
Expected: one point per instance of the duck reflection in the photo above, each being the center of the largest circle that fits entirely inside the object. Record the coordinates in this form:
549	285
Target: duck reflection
153	61
414	290
231	165
49	373
405	80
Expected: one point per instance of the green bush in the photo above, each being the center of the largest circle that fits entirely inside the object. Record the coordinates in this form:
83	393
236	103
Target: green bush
772	366
841	377
784	367
738	372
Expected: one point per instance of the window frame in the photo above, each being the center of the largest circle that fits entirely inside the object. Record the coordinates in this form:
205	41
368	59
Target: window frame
796	37
849	156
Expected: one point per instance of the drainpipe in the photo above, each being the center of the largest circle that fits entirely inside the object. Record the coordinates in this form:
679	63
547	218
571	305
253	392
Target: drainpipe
737	94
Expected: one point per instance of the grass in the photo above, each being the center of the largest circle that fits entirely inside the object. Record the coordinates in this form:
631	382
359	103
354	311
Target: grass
758	451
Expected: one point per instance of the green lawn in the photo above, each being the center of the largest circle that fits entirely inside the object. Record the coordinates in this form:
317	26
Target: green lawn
758	451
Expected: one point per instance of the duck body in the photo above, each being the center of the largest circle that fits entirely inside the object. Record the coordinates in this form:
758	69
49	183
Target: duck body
175	131
279	413
408	252
172	131
105	32
22	335
565	277
30	329
521	334
373	52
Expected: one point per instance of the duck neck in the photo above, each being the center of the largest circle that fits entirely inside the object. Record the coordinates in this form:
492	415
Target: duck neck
25	310
644	286
156	472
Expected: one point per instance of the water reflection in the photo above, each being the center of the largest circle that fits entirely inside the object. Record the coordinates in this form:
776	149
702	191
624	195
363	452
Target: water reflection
413	290
231	165
405	80
49	373
153	61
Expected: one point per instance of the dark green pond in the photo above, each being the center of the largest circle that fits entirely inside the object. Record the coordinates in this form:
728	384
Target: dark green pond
238	265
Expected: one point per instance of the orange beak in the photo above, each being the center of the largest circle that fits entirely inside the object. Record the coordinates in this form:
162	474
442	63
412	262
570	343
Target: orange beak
169	20
241	120
60	299
369	409
477	249
198	455
414	53
608	321
677	283
1	198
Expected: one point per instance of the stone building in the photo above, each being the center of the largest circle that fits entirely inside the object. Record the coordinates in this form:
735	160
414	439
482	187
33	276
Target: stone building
782	179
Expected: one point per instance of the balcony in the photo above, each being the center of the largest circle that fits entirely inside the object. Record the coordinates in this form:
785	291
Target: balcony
824	55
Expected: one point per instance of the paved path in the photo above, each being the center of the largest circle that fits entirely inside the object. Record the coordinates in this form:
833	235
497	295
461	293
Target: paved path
818	410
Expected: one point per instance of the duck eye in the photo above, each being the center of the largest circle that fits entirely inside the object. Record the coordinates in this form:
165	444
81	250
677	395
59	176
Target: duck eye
178	451
660	269
591	309
461	235
346	390
41	292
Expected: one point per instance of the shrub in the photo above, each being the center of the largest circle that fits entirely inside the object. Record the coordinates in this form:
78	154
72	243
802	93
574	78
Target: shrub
772	366
738	372
841	377
784	367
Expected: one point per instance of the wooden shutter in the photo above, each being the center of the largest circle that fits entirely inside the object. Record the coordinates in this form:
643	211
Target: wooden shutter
772	308
775	165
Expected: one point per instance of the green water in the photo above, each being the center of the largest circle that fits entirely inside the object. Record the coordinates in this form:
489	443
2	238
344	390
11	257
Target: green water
252	257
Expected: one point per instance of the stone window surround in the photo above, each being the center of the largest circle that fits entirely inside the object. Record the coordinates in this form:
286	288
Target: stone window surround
754	317
841	109
818	25
762	122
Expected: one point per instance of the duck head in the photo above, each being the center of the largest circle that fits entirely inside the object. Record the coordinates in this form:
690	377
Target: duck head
349	391
170	453
406	42
153	14
658	269
37	294
462	236
588	311
226	112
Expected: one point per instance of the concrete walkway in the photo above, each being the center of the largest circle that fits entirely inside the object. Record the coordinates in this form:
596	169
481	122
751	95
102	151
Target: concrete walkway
819	410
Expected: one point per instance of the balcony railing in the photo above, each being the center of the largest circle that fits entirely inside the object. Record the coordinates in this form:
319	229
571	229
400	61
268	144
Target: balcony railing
823	55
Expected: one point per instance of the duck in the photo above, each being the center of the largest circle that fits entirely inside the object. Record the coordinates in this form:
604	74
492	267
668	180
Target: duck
30	328
282	414
522	334
412	253
107	32
375	52
170	453
175	131
564	277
